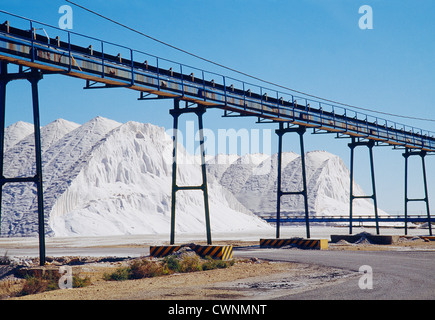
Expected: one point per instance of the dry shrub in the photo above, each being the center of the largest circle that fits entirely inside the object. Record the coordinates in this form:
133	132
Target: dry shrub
190	263
146	269
120	274
10	288
33	285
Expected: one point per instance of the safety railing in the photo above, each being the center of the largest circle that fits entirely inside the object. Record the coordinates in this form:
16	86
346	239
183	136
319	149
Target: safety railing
107	62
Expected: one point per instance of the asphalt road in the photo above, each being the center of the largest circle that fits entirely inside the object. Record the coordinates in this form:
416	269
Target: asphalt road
395	274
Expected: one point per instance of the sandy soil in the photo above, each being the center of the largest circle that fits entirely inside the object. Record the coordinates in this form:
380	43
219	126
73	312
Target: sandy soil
247	279
244	280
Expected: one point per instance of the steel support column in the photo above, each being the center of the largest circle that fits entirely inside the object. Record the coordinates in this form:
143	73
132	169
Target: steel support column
280	132
370	144
3	83
422	154
34	79
33	76
176	112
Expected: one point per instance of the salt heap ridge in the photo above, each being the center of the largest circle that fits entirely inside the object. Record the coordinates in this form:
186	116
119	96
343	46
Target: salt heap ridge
108	178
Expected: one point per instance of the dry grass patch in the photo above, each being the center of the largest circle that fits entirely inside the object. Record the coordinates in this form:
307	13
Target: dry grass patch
149	268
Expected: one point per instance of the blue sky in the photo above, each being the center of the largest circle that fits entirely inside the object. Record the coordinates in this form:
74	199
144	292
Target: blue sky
314	46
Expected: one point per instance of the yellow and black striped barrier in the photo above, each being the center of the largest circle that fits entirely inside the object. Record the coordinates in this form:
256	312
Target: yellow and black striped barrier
320	244
215	252
163	251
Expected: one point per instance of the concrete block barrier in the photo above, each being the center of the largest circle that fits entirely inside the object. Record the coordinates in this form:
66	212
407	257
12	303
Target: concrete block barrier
163	251
319	244
215	252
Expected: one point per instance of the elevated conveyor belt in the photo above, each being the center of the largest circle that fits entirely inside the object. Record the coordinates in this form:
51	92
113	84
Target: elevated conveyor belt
355	219
33	48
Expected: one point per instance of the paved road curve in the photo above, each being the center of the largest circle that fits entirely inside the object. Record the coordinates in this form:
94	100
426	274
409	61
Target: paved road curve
396	274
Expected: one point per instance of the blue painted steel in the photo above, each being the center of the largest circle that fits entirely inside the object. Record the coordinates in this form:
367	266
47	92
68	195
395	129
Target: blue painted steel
21	47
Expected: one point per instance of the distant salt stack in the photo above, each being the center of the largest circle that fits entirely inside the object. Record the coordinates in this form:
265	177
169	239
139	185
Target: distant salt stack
108	178
255	185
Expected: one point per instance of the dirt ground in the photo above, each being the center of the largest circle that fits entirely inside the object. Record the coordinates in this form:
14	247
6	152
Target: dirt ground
246	279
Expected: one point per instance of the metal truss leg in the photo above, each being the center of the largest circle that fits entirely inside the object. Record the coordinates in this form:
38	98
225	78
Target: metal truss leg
174	171
34	76
34	79
3	83
279	191
406	156
370	145
352	149
176	112
280	132
304	181
204	176
422	154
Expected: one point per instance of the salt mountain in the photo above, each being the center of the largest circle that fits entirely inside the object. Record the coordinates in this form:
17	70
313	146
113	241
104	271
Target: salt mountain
108	178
